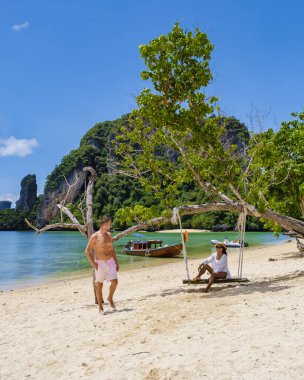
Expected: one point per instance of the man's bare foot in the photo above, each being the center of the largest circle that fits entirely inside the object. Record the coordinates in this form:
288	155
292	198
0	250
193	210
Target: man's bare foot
112	303
196	278
101	312
205	290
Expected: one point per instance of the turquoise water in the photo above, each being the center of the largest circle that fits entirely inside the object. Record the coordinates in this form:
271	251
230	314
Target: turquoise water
26	260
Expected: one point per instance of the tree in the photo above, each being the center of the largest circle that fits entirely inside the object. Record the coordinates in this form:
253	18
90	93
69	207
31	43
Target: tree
177	137
86	228
277	167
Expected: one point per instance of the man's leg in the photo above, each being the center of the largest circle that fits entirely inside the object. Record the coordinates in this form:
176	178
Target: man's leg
113	287
99	295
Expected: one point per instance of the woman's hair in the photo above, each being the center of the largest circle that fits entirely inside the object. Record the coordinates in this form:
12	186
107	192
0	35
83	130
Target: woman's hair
222	245
105	219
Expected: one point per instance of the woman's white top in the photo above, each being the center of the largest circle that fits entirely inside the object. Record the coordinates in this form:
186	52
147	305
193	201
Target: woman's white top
220	265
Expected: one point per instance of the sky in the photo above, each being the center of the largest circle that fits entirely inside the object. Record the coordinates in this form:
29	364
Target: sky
66	65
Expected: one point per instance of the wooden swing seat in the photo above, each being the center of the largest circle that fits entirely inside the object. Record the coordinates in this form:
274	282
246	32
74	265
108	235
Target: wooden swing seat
218	281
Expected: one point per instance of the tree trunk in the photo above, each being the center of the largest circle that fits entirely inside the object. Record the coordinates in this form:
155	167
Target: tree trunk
284	221
89	216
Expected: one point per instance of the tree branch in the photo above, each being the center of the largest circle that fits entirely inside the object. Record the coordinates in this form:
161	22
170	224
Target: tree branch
141	226
54	226
89	201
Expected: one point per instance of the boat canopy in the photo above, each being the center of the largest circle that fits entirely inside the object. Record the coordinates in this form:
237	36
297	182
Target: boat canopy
144	244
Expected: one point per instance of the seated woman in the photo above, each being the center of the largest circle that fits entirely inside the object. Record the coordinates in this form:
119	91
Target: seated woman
218	267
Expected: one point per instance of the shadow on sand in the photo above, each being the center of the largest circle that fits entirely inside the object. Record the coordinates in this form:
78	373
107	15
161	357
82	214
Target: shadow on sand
263	285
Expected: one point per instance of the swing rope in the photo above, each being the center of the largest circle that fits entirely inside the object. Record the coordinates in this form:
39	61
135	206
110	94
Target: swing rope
177	219
241	226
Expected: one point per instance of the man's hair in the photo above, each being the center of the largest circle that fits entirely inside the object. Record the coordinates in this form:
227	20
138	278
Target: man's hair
105	219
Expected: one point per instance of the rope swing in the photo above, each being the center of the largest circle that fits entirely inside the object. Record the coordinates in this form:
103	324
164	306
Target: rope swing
241	227
177	219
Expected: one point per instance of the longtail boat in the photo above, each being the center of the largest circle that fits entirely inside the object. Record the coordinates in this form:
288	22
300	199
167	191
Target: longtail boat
152	248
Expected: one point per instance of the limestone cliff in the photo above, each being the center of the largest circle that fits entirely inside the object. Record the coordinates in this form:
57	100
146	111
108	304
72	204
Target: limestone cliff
52	197
28	193
93	151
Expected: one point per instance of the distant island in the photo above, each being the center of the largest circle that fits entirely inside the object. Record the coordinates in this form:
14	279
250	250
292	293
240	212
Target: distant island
5	205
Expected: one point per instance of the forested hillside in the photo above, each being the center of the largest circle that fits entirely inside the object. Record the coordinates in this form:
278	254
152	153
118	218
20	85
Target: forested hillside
115	194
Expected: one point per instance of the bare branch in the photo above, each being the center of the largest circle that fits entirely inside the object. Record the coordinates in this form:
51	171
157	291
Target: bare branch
236	193
89	201
302	206
284	221
31	225
81	203
68	213
82	229
140	226
196	209
69	187
194	173
57	225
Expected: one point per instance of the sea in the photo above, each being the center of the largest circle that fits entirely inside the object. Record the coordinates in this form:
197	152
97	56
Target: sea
27	260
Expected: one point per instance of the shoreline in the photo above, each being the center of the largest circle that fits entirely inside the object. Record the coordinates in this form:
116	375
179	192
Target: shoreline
86	273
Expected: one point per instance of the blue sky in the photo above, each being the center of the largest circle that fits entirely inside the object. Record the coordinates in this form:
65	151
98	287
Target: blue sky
67	64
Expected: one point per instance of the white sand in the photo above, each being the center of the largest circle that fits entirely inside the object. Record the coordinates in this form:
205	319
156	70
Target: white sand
162	329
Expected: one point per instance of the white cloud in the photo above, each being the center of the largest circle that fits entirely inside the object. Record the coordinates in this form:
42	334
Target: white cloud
18	27
9	197
17	147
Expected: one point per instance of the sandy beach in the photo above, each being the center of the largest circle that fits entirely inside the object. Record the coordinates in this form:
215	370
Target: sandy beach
162	329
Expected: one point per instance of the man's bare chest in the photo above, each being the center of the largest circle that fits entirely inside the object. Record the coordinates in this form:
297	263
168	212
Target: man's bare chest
103	240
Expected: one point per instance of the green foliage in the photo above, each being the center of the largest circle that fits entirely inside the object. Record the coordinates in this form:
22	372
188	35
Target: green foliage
276	172
129	215
175	136
78	158
12	219
203	221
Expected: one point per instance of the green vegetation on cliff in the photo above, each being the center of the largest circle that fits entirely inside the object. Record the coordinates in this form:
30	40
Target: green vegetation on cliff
13	219
123	198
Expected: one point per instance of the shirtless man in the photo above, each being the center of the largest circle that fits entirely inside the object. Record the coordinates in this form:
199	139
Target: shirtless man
105	263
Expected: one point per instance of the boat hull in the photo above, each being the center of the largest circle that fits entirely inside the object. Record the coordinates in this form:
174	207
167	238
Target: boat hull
231	244
165	251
